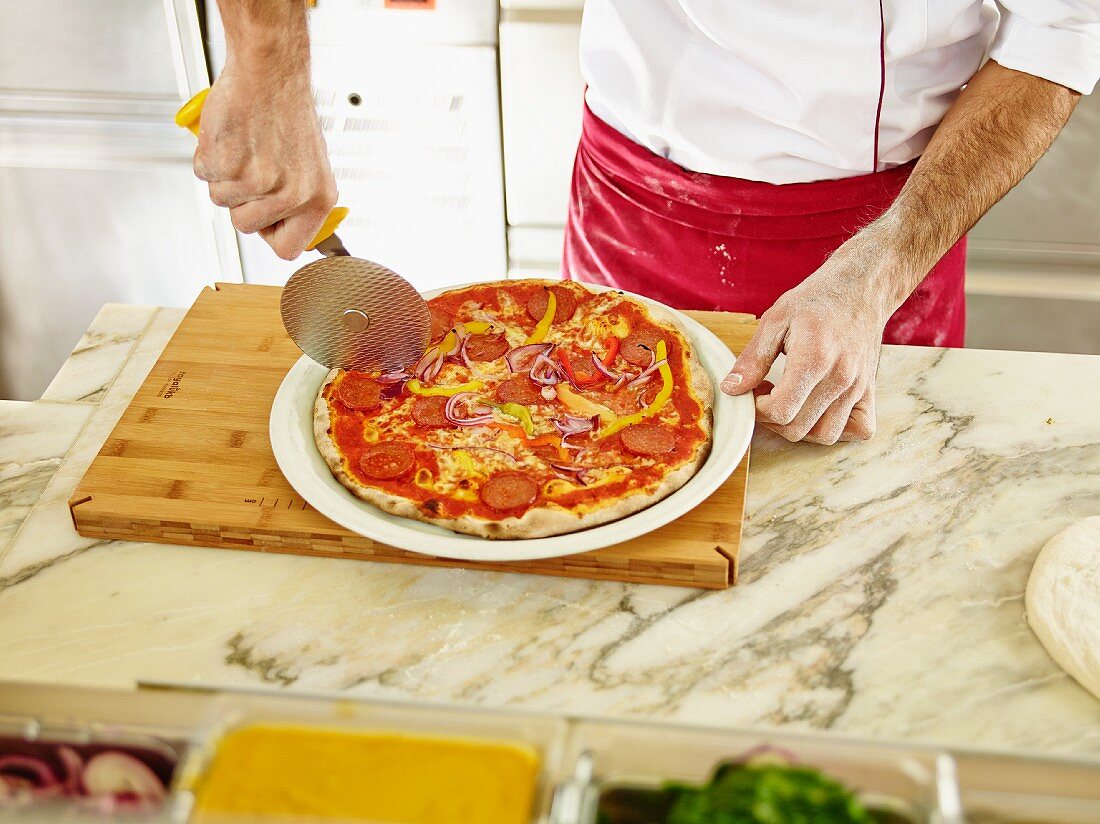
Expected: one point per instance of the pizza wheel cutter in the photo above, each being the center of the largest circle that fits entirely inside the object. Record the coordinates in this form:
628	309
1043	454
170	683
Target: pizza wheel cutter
345	312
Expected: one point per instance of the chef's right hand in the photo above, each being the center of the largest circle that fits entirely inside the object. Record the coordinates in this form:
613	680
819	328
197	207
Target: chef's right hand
263	154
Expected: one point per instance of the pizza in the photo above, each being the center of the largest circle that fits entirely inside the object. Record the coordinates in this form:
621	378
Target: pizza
539	408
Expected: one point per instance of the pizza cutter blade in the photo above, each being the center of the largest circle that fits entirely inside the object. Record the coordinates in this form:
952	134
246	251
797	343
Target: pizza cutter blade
350	313
345	312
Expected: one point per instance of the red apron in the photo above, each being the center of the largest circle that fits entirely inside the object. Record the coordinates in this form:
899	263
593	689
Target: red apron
697	241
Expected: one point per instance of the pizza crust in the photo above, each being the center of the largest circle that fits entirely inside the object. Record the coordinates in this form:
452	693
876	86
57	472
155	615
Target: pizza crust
545	520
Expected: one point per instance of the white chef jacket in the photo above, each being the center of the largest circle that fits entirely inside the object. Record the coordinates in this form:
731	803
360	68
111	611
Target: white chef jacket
788	91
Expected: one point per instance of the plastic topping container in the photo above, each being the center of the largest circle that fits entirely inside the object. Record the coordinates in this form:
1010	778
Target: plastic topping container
282	760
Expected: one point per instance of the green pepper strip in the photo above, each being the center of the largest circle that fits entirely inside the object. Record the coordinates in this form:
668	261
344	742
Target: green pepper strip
520	413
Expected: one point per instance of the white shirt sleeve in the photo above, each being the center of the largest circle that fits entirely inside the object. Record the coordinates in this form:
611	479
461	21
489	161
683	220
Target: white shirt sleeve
1058	40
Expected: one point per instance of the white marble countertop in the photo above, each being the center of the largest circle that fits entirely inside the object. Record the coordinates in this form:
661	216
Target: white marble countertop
881	591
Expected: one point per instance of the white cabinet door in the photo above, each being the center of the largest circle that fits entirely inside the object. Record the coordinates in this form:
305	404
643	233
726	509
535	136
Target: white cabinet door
542	96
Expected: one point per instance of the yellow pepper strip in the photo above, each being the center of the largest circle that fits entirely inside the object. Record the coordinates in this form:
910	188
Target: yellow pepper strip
543	325
417	388
661	353
474	327
520	413
583	406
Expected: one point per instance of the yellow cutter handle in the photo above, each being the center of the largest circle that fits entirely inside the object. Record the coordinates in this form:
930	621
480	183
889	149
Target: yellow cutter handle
188	118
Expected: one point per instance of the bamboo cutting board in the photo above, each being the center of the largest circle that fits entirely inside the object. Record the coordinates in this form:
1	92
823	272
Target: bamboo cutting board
190	462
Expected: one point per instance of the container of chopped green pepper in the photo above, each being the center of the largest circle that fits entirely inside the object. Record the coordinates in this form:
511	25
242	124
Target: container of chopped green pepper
651	774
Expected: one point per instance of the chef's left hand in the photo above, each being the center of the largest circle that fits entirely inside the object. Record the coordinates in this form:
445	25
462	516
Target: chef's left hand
830	328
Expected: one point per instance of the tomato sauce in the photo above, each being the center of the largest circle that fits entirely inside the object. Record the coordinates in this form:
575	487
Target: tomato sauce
349	426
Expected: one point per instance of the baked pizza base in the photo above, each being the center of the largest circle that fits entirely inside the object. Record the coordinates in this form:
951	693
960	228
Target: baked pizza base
546	519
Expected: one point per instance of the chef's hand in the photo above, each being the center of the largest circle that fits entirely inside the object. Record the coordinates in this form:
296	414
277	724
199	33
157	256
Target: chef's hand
831	332
262	151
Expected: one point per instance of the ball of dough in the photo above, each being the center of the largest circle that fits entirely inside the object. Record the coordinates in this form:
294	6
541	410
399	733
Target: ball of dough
1063	601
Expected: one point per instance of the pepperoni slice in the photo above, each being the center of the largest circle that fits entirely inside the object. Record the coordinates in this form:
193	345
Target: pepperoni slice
566	304
519	389
637	348
647	439
623	402
486	347
359	393
387	460
509	490
428	411
442	321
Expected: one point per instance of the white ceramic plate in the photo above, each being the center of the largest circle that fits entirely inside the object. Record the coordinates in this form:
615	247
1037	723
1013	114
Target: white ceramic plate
302	464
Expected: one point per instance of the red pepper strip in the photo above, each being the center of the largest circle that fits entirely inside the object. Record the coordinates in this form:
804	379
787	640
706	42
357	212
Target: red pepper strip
552	439
581	379
612	344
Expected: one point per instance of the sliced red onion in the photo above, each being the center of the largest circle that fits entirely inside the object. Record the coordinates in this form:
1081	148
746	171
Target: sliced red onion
572	473
603	370
450	411
433	370
465	358
489	448
548	393
425	361
573	425
394	377
117	774
392	390
461	338
647	374
20	766
619	383
545	372
74	766
780	753
522	358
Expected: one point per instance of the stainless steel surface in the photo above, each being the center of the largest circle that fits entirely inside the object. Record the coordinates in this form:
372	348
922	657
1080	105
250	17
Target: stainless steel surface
332	246
349	313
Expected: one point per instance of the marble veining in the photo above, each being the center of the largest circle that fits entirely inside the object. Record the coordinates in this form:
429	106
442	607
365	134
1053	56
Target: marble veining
34	437
100	354
881	589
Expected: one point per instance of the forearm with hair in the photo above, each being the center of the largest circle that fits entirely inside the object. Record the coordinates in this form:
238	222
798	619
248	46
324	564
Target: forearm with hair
267	35
997	129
